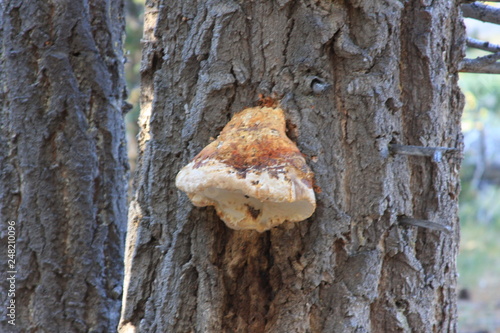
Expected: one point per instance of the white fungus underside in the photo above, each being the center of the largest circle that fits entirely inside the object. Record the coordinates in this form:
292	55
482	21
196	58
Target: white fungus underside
257	201
241	211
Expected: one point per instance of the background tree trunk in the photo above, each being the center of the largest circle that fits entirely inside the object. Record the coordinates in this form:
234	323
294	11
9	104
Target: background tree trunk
353	77
63	163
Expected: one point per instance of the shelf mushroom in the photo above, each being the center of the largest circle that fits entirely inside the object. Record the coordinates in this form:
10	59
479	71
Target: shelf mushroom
253	174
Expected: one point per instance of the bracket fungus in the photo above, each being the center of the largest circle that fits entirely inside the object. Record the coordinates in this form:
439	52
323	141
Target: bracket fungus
253	174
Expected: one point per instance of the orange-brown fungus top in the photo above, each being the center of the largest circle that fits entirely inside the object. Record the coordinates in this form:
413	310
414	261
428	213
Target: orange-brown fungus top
255	140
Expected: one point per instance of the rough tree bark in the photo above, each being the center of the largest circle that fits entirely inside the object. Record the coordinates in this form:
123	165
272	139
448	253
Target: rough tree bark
353	77
63	163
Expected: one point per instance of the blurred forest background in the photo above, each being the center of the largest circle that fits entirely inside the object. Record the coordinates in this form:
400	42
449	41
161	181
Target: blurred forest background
479	258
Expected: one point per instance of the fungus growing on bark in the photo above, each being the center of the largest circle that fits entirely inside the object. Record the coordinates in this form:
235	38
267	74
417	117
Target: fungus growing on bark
253	174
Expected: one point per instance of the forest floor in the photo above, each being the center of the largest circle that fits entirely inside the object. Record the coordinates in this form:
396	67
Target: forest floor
480	313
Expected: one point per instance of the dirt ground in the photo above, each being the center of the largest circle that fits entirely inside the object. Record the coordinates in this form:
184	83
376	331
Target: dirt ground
480	313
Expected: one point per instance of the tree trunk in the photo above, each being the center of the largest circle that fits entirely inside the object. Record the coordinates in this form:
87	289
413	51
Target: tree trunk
353	78
63	165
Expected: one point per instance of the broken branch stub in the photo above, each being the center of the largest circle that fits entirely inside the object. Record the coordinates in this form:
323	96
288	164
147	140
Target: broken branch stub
253	174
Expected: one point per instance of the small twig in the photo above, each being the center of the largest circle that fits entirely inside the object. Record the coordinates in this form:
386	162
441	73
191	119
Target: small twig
424	224
487	64
483	45
435	152
481	12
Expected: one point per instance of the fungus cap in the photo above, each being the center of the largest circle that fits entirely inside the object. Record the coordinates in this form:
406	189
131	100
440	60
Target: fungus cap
253	174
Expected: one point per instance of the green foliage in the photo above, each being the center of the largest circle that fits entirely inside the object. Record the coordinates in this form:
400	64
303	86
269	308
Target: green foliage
479	248
479	203
482	100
